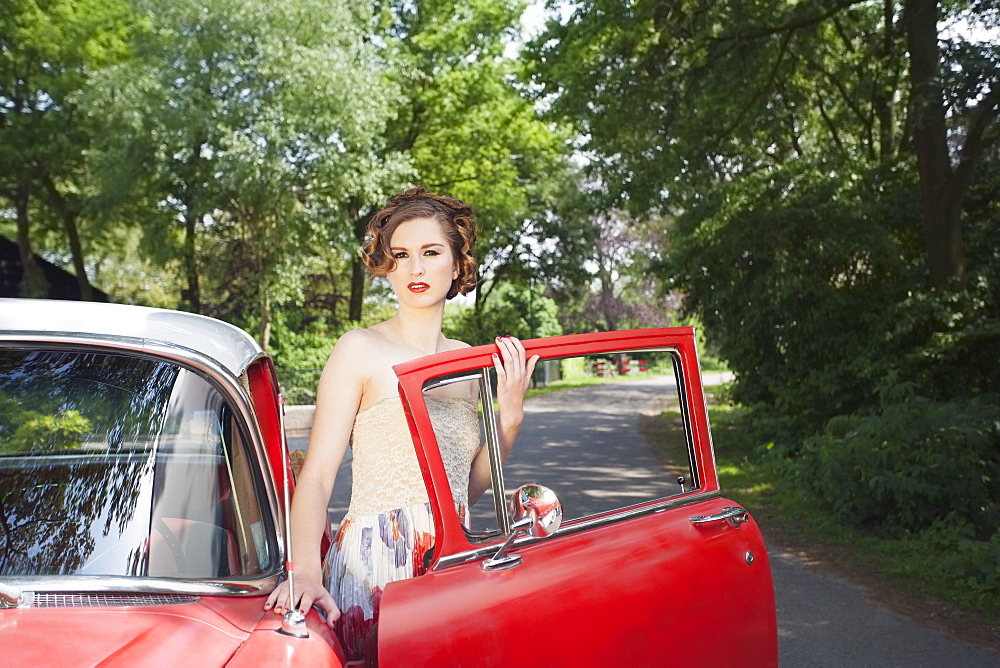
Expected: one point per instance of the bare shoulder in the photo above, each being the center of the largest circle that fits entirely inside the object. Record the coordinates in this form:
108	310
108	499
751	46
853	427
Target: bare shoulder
354	342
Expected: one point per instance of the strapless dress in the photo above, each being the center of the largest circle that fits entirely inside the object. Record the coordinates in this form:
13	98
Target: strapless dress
388	527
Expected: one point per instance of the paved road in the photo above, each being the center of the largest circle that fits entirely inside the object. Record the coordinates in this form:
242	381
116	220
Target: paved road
822	620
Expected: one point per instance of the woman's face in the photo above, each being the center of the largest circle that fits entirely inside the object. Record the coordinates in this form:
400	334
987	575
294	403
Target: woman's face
425	265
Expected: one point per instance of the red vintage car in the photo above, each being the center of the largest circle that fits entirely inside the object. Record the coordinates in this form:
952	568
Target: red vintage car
144	480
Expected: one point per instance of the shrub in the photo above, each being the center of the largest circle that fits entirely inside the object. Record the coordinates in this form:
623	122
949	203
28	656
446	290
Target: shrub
914	463
970	567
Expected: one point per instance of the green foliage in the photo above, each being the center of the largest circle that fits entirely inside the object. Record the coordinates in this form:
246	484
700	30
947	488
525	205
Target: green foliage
910	465
949	559
25	429
960	562
235	133
792	272
674	96
514	310
574	369
299	364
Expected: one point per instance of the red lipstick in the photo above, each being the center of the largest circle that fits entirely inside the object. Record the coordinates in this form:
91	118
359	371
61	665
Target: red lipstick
418	287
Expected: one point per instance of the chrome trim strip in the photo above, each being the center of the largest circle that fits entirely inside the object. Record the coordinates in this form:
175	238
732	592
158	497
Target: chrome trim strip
493	449
230	386
449	380
584	525
685	405
116	583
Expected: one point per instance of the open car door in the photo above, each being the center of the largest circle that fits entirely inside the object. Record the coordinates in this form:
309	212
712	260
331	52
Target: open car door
651	566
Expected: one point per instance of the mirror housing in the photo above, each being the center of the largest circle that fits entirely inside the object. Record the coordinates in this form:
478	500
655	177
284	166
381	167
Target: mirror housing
535	511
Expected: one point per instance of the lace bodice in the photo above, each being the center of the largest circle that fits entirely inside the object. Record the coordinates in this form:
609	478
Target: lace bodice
385	471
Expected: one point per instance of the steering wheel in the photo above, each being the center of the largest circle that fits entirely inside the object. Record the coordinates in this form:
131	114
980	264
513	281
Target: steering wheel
174	545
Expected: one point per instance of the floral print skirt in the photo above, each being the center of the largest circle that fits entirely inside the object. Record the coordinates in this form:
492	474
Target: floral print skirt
369	552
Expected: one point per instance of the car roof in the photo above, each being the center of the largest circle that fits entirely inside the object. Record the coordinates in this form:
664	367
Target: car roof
228	345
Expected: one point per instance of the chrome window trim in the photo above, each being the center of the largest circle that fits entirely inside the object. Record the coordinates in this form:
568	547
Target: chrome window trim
231	388
577	526
451	380
493	450
123	583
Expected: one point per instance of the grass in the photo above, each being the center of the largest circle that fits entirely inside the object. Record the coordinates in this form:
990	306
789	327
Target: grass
925	575
562	385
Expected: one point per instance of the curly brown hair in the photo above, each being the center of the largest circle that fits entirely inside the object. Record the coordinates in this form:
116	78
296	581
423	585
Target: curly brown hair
455	217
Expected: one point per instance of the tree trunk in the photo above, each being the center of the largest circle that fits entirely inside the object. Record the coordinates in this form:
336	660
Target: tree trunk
189	198
69	217
940	200
357	266
882	99
33	283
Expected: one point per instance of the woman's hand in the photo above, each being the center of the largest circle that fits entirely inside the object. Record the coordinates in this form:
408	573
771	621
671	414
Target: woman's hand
513	380
310	594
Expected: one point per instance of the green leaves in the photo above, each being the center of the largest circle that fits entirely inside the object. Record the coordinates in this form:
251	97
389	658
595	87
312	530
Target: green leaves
914	463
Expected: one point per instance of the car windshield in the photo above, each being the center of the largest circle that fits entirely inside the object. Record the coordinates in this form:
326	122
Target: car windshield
124	465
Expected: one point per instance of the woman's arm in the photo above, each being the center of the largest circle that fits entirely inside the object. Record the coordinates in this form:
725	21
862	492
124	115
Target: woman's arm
513	379
338	397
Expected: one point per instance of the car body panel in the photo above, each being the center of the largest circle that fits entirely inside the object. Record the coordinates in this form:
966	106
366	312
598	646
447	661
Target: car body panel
267	646
644	586
123	636
629	593
210	632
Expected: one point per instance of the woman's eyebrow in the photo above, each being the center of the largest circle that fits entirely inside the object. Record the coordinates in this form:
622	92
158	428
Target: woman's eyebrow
430	245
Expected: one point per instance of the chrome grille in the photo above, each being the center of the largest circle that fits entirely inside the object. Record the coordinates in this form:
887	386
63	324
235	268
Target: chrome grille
91	600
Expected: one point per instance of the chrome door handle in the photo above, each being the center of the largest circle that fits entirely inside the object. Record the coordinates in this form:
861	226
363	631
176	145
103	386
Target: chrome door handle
732	515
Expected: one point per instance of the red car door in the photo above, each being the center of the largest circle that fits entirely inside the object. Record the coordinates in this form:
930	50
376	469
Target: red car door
651	566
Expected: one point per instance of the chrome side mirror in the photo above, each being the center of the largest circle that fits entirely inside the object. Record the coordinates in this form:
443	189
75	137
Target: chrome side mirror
536	512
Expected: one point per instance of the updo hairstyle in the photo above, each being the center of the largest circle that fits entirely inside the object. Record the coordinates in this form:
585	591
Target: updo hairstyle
455	217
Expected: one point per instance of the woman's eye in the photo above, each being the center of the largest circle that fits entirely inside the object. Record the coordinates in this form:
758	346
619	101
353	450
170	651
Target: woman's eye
431	252
399	256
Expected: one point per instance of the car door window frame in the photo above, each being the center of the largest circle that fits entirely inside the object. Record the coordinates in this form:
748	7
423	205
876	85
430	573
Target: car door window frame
474	363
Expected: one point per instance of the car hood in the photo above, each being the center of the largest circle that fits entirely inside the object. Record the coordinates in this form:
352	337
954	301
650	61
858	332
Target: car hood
205	632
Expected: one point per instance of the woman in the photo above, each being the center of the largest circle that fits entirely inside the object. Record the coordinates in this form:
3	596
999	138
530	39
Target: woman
423	244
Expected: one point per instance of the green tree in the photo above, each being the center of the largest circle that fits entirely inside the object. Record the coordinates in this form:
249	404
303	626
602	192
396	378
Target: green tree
49	52
675	97
241	124
516	310
466	127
